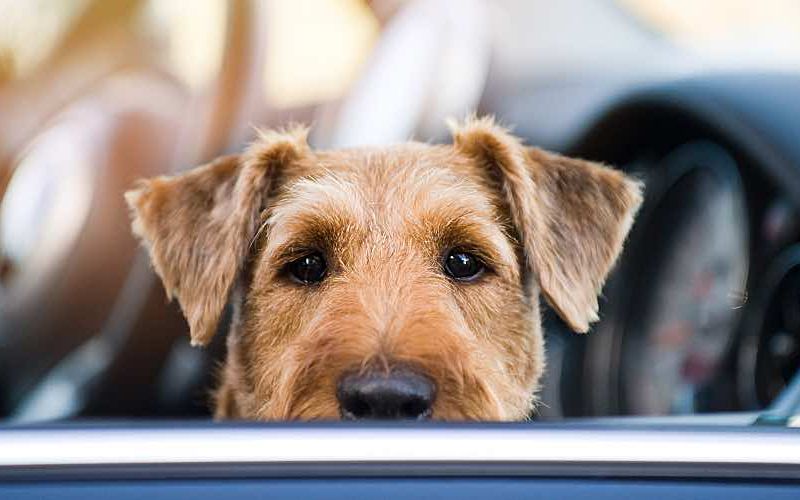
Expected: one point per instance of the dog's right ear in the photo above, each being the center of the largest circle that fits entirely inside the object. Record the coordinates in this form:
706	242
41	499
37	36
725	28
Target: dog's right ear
197	226
572	215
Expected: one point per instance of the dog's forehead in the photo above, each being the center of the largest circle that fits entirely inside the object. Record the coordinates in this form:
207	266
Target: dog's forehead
408	176
416	192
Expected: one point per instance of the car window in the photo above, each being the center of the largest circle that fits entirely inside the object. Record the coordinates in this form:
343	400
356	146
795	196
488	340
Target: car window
696	281
734	33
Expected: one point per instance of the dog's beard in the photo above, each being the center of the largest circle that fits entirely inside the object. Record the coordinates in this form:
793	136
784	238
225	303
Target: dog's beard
428	335
305	386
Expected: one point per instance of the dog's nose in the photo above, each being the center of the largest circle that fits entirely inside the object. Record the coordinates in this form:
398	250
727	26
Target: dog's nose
398	395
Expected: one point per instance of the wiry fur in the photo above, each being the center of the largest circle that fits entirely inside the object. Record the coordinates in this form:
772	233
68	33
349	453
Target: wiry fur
573	215
384	219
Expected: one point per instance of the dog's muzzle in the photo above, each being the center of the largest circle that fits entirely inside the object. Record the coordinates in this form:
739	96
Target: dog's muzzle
400	394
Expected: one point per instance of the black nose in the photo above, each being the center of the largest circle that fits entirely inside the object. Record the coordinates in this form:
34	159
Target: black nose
398	395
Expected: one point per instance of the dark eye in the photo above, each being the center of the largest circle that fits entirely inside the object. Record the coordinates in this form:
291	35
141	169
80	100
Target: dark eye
308	269
462	266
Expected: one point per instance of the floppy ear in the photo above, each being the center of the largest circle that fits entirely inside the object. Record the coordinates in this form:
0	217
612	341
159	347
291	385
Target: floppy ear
572	215
197	226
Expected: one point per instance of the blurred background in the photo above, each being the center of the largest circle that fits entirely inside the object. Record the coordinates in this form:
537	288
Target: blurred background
700	98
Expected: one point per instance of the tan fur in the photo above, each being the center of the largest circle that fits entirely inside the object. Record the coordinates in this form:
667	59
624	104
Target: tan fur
573	215
384	219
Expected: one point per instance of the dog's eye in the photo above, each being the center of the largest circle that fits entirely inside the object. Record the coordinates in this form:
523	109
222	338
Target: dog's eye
308	269
462	266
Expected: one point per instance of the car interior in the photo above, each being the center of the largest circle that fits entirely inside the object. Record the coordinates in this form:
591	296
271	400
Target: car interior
700	320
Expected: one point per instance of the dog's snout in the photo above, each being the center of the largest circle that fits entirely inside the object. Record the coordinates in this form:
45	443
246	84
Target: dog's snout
398	395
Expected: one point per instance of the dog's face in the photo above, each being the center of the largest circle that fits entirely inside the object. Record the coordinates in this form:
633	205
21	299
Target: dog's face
386	283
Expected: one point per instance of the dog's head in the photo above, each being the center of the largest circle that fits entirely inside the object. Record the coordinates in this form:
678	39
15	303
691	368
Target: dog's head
396	282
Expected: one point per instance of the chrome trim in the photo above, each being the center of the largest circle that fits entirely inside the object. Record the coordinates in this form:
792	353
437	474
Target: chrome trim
339	445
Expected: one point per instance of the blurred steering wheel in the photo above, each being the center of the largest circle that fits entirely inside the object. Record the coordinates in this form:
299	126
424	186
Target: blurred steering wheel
83	322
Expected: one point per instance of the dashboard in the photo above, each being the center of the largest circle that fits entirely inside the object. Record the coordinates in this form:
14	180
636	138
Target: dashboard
699	315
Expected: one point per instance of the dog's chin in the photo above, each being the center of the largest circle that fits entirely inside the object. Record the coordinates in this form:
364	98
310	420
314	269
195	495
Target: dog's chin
327	409
316	401
339	416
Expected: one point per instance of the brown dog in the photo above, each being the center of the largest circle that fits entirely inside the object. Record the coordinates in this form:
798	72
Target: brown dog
401	282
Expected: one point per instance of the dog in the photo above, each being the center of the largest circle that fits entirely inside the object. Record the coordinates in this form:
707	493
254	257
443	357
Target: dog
385	283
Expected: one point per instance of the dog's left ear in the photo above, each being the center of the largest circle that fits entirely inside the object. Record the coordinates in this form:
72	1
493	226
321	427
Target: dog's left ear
572	215
198	226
